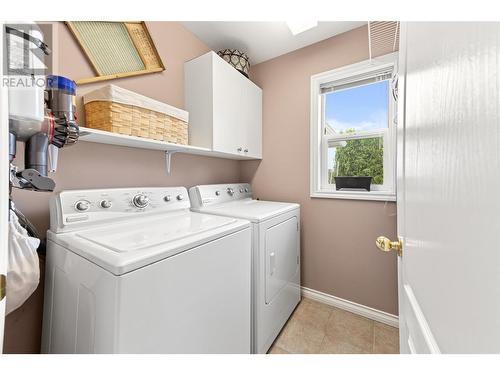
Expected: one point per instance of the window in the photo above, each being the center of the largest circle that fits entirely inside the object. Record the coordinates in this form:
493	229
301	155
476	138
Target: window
353	130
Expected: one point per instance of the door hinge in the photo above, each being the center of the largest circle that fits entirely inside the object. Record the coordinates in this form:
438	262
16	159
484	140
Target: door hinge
297	226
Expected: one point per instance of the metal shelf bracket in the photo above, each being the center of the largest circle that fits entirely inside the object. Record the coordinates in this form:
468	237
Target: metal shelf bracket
168	160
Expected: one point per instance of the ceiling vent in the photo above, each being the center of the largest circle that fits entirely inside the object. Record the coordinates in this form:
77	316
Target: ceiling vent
383	37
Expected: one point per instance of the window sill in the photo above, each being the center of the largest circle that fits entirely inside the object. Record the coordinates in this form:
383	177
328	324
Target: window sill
356	195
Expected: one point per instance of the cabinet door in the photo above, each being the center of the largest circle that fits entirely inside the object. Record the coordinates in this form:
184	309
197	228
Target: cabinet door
228	93
252	120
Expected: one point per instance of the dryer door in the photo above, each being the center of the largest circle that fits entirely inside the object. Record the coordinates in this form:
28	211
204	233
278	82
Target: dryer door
281	256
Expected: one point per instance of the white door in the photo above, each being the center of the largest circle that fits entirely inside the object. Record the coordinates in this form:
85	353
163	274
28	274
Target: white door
448	187
4	188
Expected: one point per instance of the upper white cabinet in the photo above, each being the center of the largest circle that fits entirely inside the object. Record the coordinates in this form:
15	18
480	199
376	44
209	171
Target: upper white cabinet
225	108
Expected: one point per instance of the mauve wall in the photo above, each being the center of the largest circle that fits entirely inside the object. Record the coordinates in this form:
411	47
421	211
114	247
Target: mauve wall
91	165
338	252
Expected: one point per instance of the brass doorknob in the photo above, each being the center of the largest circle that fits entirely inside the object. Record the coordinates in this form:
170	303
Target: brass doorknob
385	244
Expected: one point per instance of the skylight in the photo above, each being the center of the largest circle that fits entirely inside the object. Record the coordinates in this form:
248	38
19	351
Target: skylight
297	27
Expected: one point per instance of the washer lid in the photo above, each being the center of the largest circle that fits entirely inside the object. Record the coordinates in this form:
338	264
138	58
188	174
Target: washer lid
130	245
250	209
141	235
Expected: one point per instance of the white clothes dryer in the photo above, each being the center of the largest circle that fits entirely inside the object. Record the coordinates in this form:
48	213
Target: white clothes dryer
275	253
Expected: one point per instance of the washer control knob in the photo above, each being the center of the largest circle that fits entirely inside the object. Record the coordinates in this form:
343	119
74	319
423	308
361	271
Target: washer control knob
230	191
140	201
105	204
217	193
180	197
246	190
82	206
167	198
241	190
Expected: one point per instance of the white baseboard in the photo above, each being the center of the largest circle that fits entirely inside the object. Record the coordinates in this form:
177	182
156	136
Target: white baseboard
355	308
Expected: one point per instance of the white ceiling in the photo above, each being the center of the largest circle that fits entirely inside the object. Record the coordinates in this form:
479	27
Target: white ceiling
263	40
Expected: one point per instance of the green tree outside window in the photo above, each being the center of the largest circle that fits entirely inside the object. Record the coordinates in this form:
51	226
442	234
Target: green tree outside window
359	157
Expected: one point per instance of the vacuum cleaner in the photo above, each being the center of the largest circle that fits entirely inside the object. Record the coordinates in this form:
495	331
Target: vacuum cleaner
43	116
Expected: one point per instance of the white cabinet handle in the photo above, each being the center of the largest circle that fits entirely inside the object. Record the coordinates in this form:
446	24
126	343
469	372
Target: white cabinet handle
272	263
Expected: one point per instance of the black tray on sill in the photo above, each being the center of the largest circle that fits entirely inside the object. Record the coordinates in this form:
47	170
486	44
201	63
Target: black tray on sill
348	182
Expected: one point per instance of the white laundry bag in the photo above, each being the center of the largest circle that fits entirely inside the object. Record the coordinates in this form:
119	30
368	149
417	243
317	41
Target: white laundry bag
23	272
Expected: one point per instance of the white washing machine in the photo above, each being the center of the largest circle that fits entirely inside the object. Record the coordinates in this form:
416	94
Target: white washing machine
275	253
135	271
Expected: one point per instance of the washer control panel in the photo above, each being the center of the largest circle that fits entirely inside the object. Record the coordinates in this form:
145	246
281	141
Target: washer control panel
204	195
76	208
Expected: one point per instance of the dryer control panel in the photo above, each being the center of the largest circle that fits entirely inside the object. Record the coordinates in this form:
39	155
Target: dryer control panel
205	195
72	209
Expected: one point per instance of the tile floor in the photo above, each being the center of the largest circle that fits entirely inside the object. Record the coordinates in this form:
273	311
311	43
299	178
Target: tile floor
316	328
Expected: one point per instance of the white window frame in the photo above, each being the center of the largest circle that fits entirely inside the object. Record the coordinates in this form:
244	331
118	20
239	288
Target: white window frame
320	188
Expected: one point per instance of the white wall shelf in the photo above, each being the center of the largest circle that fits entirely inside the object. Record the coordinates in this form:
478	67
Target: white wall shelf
100	136
104	137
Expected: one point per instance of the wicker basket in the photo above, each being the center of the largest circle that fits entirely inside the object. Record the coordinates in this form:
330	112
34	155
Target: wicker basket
117	110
